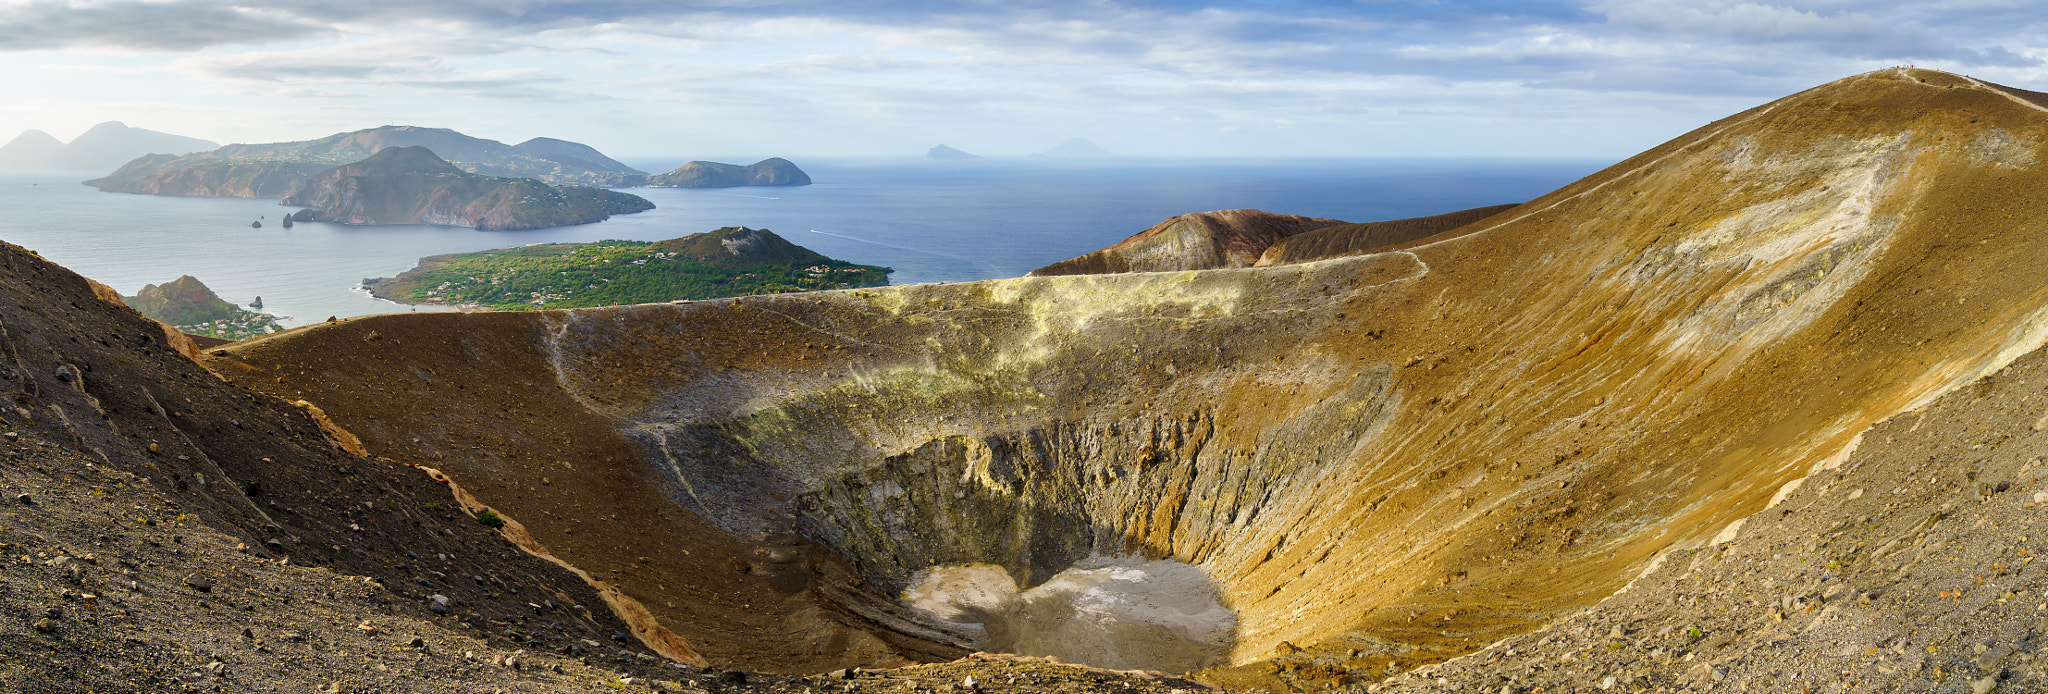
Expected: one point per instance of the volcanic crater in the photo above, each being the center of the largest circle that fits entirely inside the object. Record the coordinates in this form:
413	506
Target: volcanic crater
1385	458
1340	465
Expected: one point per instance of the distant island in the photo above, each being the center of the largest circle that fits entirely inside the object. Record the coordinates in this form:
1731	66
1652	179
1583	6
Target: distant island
188	305
275	169
775	171
733	261
271	170
1075	148
105	146
409	185
945	153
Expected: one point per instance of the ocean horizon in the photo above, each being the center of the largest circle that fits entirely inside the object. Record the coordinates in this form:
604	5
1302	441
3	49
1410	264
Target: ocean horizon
930	221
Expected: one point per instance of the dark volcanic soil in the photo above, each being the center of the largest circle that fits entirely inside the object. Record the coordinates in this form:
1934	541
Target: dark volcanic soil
165	531
86	380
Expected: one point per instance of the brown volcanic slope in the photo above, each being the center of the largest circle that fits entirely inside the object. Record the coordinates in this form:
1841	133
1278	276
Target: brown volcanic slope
1371	237
1198	241
96	399
1396	456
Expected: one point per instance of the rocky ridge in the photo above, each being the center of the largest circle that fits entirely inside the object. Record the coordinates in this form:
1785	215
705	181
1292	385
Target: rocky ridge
1199	241
1371	237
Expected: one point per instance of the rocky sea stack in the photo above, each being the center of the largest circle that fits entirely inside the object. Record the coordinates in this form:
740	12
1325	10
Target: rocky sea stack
775	171
410	185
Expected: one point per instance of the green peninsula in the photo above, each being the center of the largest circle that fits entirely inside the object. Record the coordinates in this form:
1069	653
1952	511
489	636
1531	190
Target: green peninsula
188	305
733	261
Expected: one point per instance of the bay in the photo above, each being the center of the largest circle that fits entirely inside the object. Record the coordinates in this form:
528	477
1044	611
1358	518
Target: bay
929	221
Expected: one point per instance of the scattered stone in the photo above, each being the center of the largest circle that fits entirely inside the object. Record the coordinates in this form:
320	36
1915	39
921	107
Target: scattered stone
24	499
46	625
732	677
438	603
199	583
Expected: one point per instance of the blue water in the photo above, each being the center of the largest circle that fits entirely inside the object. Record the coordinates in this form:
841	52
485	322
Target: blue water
930	221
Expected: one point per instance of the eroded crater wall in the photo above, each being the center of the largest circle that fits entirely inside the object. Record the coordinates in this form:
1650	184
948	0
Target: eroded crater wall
1395	457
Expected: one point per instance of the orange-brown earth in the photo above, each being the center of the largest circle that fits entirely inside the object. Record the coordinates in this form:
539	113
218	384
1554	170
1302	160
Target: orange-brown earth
1371	237
1386	458
1202	240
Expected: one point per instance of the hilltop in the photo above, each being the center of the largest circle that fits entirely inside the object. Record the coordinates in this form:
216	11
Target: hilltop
103	147
733	261
188	305
410	185
774	171
1198	241
271	170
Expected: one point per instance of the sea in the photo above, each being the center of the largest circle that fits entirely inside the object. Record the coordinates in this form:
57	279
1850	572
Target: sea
929	221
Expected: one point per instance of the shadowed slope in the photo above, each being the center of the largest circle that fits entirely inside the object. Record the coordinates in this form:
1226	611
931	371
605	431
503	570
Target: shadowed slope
1198	241
1369	237
1389	457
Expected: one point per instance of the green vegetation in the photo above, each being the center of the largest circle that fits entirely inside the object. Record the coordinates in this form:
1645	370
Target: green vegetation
734	261
186	304
490	519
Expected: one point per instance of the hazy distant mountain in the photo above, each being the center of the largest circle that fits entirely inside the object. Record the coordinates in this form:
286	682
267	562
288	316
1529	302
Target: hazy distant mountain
29	150
1076	148
269	170
105	146
943	152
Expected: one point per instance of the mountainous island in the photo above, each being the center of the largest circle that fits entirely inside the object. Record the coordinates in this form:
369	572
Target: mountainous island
410	185
774	171
188	305
1759	409
733	261
944	153
1074	148
103	147
272	170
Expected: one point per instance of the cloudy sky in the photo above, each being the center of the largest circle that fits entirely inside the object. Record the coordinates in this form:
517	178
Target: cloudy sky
656	78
